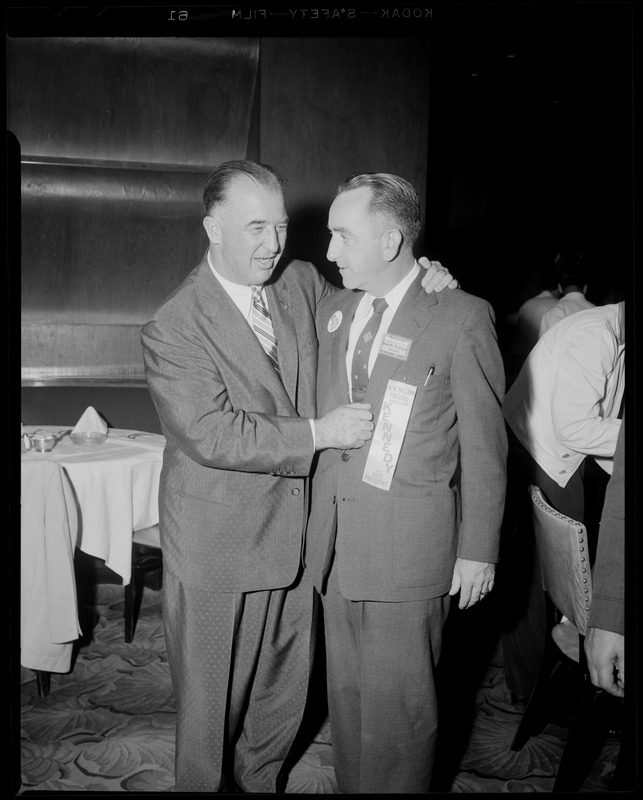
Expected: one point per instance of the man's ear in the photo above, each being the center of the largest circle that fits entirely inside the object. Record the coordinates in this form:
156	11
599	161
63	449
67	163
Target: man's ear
212	229
391	244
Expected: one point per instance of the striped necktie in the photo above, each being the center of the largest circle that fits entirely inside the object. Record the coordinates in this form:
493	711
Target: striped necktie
359	371
262	325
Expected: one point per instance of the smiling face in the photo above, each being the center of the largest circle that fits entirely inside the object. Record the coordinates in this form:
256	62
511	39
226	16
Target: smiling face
356	243
247	232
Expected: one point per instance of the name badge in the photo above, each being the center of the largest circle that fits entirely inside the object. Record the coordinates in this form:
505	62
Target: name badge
389	434
395	346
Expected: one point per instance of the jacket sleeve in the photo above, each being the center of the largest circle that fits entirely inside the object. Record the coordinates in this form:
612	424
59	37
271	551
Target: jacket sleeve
478	384
196	412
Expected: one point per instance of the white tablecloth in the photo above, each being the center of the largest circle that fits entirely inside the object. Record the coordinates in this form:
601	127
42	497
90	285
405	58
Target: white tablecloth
48	530
92	498
116	488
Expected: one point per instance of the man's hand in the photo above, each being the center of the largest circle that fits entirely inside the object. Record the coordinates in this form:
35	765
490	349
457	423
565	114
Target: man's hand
344	427
473	579
605	651
437	277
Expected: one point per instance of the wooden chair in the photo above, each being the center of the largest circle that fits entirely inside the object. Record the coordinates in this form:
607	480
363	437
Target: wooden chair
567	582
147	570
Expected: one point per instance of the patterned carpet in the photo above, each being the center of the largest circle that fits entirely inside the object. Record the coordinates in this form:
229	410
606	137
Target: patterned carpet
109	725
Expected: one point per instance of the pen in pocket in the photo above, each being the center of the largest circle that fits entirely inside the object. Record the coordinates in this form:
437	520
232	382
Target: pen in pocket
429	373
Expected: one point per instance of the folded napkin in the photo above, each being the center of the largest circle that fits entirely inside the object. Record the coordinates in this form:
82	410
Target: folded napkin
90	421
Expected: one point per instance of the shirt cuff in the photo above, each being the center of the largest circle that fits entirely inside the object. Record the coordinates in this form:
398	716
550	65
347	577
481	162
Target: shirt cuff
312	430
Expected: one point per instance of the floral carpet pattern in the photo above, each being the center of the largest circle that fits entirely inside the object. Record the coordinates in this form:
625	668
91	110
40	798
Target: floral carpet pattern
108	726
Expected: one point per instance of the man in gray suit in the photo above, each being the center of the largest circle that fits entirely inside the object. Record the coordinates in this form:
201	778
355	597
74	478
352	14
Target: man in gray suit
402	524
231	362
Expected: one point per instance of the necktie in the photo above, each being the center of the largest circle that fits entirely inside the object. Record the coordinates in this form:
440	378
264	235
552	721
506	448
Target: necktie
262	325
359	370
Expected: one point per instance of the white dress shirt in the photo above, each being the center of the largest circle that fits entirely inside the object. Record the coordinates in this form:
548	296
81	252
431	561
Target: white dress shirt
565	401
364	312
568	304
240	294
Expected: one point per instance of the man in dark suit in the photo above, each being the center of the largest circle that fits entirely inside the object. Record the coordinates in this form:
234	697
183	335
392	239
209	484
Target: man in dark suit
231	363
400	525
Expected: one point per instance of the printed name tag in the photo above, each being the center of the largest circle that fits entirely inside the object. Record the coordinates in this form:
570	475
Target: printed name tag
396	346
389	435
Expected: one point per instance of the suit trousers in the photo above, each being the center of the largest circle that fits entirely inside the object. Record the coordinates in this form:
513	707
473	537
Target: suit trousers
382	697
240	666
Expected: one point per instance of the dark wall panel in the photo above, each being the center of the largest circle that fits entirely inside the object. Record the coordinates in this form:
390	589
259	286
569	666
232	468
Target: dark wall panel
117	136
101	248
530	148
106	245
331	107
155	101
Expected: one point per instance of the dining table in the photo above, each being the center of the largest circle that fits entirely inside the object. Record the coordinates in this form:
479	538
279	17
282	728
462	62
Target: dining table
90	497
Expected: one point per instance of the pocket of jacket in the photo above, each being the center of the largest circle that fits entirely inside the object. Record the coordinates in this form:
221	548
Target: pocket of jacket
424	539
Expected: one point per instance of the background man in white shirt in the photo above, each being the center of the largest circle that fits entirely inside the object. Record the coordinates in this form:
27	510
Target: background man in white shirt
562	413
572	286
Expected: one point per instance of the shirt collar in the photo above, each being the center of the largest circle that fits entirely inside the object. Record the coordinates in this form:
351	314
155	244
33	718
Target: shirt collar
240	291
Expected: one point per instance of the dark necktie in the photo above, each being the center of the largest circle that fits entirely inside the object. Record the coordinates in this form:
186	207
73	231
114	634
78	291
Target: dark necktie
262	325
359	370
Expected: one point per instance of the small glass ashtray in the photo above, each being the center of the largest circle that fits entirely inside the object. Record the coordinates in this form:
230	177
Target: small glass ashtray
88	438
43	441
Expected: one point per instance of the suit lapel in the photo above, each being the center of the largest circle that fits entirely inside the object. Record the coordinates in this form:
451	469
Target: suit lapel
411	318
347	303
231	333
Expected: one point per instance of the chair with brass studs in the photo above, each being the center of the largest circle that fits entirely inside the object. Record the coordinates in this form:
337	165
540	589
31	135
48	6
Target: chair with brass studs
566	576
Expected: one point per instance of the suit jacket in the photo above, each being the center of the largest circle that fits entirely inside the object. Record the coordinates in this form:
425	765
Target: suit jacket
447	495
233	493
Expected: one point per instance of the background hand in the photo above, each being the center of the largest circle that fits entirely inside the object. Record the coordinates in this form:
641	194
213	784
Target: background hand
437	277
605	651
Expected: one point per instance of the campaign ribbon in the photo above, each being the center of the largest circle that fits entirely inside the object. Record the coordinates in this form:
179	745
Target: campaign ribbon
389	434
